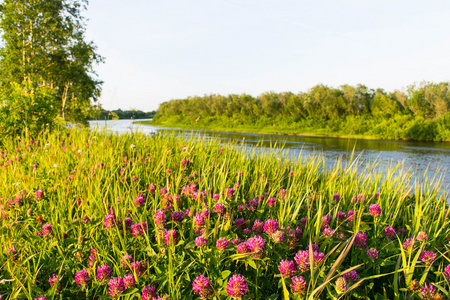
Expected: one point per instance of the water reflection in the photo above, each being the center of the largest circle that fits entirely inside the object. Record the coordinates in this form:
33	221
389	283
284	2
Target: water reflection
418	157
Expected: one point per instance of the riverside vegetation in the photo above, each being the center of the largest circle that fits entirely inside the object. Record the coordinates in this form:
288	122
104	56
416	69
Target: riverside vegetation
96	215
421	113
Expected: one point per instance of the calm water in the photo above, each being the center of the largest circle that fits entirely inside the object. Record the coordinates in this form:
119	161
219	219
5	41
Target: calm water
416	156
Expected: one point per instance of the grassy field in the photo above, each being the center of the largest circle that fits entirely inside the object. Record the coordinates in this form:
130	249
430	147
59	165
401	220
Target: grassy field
96	215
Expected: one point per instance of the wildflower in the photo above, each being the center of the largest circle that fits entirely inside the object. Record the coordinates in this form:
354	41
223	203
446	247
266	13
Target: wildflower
160	218
341	285
447	272
39	194
255	245
93	257
287	268
414	285
438	296
340	215
125	261
389	232
328	232
109	221
219	208
129	281
237	286
428	257
372	253
138	229
278	236
408	244
151	189
205	213
271	226
139	201
201	286
239	223
326	220
216	197
401	231
252	205
258	226
282	193
40	298
303	262
298	285
129	222
222	243
271	202
136	268
422	236
47	229
177	216
116	286
352	215
200	241
375	210
104	273
236	241
53	280
86	220
352	275
247	231
148	292
427	291
336	197
360	240
82	277
229	193
170	237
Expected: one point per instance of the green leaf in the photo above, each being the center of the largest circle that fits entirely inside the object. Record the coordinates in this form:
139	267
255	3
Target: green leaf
225	274
251	263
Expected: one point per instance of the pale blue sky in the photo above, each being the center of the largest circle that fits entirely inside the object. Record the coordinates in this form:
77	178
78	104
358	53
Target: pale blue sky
160	50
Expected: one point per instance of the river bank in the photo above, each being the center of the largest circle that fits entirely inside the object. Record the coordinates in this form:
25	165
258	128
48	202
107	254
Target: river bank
265	131
312	132
422	159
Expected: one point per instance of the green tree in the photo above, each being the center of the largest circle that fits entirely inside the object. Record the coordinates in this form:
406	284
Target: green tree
44	44
27	110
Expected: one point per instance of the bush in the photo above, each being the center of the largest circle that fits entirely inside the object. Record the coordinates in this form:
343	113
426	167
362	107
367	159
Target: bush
27	110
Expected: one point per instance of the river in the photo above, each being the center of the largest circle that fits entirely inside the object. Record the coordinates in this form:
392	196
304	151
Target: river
417	157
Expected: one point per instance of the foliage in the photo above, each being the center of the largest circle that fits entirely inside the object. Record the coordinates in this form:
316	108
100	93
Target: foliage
27	110
44	44
420	114
79	200
119	114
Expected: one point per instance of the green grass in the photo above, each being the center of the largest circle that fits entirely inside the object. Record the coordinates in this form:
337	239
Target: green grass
312	132
87	175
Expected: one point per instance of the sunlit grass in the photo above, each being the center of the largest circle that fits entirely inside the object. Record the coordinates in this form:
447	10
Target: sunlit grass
87	175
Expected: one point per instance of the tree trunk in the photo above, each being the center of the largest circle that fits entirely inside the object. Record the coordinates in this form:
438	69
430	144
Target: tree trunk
64	98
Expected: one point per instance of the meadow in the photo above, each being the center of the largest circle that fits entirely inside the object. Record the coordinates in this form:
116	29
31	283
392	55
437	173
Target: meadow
96	215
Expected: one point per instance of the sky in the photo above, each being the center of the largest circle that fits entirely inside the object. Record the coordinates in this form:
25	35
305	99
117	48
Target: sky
156	51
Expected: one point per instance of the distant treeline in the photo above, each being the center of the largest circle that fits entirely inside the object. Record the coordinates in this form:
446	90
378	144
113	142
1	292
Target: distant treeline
422	112
119	114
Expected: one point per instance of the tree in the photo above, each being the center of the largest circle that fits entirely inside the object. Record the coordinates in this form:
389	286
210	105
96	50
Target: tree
44	45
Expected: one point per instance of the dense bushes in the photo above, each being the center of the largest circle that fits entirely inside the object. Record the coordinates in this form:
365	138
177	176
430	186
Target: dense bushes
422	113
27	110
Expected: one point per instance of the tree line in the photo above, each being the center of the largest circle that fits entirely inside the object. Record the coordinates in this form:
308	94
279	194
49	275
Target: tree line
422	112
119	114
